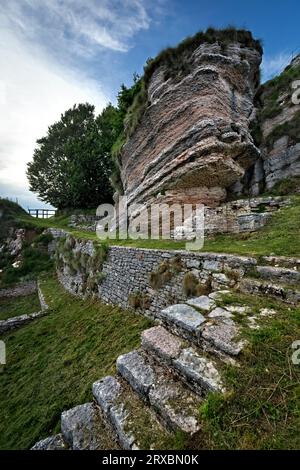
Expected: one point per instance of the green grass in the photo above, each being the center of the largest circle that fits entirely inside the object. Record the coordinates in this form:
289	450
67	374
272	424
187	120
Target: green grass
274	88
261	409
33	262
13	307
281	236
52	363
289	128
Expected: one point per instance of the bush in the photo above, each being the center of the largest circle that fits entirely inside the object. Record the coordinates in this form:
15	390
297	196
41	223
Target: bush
33	262
165	272
290	128
138	300
272	90
193	287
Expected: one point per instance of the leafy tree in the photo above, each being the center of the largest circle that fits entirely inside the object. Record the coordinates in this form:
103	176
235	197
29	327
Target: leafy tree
71	165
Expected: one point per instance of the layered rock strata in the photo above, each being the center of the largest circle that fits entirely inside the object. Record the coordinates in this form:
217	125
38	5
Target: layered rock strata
193	140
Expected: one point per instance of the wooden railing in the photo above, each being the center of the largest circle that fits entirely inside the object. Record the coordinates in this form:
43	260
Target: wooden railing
42	213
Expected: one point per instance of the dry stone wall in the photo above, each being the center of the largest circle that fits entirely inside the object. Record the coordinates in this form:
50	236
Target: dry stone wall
152	279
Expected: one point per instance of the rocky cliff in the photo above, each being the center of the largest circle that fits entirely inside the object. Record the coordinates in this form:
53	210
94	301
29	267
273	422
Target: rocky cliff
281	127
193	140
277	133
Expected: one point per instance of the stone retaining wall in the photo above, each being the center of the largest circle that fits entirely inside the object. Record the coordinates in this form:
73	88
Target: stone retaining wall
126	275
16	322
25	288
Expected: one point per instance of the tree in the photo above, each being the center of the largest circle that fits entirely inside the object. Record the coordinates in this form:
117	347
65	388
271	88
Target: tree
71	165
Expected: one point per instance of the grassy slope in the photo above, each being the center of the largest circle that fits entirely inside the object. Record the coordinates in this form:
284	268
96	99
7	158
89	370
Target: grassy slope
52	363
262	407
13	307
281	236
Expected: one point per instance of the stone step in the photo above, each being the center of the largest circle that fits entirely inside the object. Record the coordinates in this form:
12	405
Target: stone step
279	274
205	326
183	320
51	443
197	371
173	401
282	261
83	428
277	291
134	423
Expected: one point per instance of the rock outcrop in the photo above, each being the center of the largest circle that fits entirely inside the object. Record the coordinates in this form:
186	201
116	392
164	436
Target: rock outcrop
281	129
208	132
193	140
277	132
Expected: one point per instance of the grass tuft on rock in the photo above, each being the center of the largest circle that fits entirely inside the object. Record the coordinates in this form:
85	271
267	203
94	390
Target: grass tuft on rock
261	409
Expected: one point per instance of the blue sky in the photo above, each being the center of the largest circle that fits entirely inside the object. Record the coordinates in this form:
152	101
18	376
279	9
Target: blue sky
55	53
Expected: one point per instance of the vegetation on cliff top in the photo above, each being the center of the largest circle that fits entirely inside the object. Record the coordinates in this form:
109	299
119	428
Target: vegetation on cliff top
290	128
33	257
174	60
173	57
275	88
9	212
279	237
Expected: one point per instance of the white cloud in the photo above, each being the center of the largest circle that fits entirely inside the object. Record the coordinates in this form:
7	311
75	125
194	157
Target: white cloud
79	26
34	92
40	42
273	65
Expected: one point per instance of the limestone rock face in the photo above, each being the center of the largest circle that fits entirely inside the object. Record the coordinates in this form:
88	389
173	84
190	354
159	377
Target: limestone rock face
193	140
280	133
281	158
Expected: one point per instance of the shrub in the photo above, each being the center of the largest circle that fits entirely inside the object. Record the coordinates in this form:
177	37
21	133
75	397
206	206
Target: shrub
193	287
138	300
273	89
286	186
289	128
165	272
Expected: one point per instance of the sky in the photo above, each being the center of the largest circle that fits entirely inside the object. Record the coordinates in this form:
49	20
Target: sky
55	53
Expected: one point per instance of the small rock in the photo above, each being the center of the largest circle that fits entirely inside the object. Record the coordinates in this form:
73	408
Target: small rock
183	316
220	313
198	370
106	392
217	295
83	429
163	343
51	443
177	405
252	323
267	312
222	334
203	302
237	309
136	371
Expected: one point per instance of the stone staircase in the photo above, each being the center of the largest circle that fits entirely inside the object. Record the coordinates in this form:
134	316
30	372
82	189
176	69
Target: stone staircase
278	281
159	388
